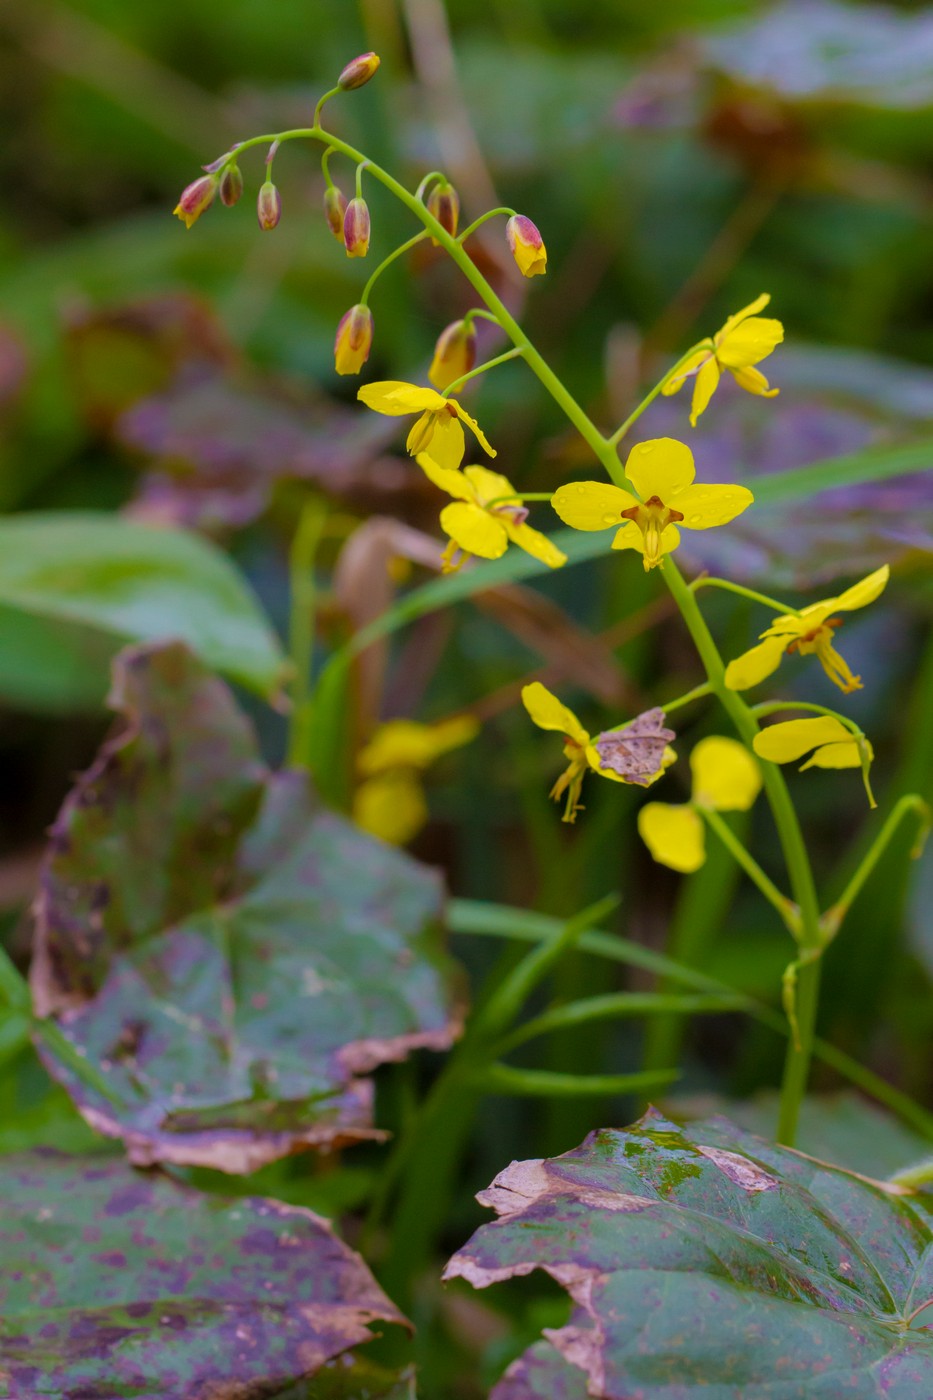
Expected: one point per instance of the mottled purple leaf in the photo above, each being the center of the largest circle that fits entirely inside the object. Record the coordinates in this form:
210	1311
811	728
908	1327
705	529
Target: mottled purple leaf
705	1262
636	751
231	957
542	1374
122	1283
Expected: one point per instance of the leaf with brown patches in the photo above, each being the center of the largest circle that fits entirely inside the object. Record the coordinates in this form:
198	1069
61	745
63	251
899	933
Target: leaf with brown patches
636	751
226	956
705	1261
120	1283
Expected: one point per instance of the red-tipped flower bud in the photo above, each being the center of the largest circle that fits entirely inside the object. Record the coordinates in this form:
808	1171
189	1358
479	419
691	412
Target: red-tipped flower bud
231	185
527	246
358	71
356	229
335	207
454	354
354	340
268	205
195	198
444	203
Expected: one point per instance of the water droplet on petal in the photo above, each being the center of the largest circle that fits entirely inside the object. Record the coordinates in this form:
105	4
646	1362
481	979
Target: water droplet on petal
611	519
694	520
581	490
646	447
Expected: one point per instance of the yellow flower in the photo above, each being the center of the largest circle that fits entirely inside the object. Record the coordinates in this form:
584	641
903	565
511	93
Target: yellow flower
810	632
454	354
354	340
438	431
485	516
390	802
662	473
725	779
641	762
833	745
743	341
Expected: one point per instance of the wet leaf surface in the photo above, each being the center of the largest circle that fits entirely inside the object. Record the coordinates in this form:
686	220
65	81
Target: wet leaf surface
121	1283
229	959
704	1261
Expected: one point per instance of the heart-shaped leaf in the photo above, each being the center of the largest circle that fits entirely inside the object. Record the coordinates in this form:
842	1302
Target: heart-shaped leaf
224	957
80	571
120	1283
705	1262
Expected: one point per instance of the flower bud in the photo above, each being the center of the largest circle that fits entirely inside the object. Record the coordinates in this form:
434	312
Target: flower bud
356	229
268	206
195	198
358	71
527	246
354	340
454	354
335	207
231	185
444	203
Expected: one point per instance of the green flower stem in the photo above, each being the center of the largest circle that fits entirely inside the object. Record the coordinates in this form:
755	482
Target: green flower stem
477	311
704	581
325	167
773	707
545	1083
619	433
912	802
428	179
478	223
525	496
317	112
481	369
617	1006
304	547
697	693
387	262
784	906
363	165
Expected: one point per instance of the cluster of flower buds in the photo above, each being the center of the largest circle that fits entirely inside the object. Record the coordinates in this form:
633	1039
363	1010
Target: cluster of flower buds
354	340
454	354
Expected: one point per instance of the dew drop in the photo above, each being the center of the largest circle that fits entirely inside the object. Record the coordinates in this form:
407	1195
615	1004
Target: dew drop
694	520
610	519
581	490
646	447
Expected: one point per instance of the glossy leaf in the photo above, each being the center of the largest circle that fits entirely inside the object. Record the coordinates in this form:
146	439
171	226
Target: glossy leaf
227	958
80	571
705	1261
120	1283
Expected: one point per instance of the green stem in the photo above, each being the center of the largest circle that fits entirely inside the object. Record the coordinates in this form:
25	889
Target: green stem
616	1006
387	262
426	180
697	693
545	1083
301	624
704	581
636	413
481	369
478	311
363	165
525	496
773	707
316	119
784	906
912	802
478	223
325	167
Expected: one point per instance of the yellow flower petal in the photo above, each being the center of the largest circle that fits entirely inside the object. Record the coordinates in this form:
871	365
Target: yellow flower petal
488	486
792	738
661	467
689	366
863	592
705	506
754	665
704	388
534	543
392	807
725	775
447	444
473	426
475	530
842	755
591	505
673	835
404	743
749	342
548	713
751	309
753	382
455	483
630	537
396	398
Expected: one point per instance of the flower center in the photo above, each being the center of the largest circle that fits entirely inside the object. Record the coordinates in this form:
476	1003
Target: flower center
816	639
652	518
518	514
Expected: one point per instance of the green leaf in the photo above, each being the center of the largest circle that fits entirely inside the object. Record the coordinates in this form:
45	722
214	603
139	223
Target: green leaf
350	1378
705	1262
225	959
92	582
118	1283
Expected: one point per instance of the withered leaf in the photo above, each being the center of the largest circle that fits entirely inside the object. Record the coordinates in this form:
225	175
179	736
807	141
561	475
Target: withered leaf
636	751
704	1261
119	1283
231	957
